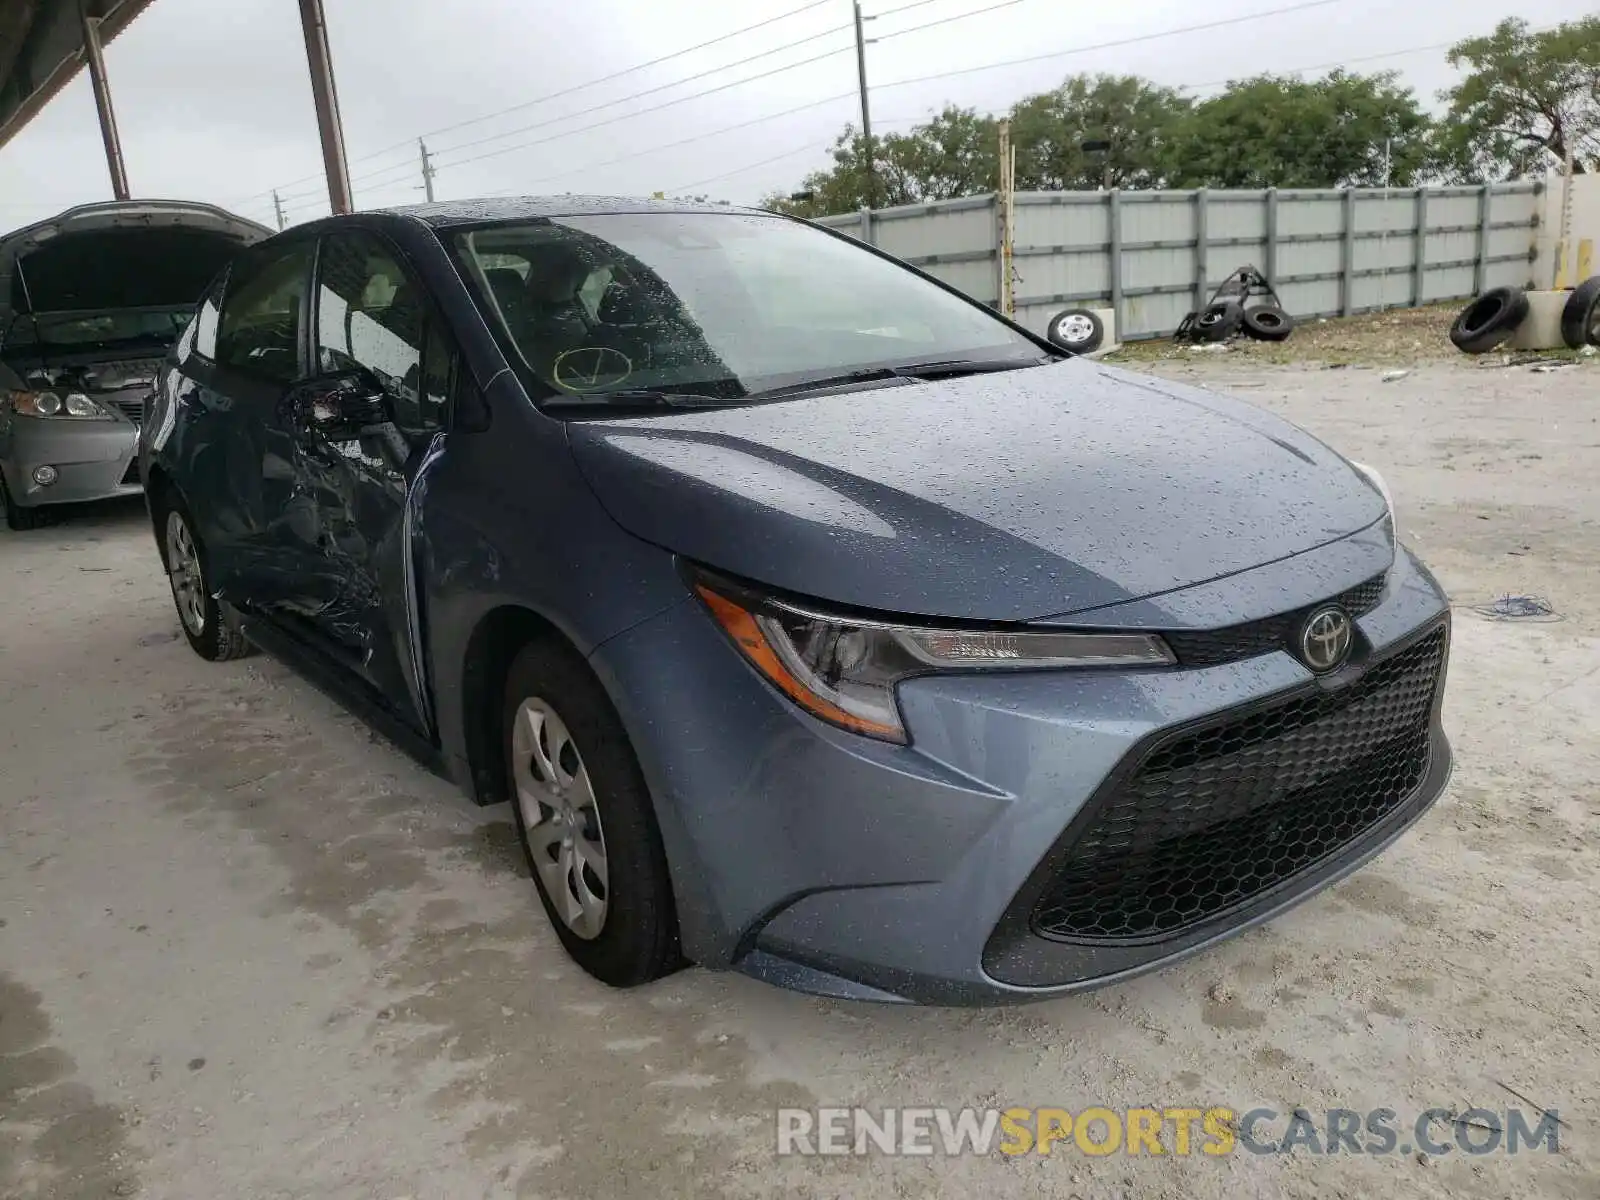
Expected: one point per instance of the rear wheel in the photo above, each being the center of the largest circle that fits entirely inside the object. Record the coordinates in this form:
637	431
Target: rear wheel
585	819
17	517
211	626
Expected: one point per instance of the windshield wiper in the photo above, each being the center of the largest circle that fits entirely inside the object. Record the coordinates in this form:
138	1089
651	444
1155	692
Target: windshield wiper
638	398
944	368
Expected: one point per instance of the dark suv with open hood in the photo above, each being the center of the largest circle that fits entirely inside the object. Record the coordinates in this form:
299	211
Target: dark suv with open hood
90	302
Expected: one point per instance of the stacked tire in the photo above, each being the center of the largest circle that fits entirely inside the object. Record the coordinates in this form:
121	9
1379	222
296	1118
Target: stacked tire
1580	316
1494	316
1489	320
1220	320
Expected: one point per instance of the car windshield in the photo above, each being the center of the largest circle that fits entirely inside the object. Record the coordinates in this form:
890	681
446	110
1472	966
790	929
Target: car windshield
152	326
719	304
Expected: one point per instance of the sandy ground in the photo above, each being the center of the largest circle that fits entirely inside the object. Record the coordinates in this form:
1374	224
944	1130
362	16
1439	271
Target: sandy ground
249	950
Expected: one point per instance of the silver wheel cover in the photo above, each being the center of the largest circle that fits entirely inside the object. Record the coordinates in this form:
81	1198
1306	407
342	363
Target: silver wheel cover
183	572
561	817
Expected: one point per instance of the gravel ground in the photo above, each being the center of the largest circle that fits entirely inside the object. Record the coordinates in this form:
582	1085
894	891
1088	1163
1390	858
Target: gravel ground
249	950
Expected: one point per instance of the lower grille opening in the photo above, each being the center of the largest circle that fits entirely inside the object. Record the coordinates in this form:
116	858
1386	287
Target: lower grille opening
1216	816
131	475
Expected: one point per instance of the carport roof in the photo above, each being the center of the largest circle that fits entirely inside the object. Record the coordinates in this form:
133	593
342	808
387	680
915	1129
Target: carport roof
41	49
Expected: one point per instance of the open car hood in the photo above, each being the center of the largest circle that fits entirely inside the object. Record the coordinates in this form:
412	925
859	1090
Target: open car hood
128	254
1015	496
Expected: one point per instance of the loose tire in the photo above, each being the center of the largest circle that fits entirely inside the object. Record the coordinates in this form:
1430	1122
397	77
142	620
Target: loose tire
211	627
1077	330
1219	321
17	517
1580	316
1489	320
585	819
1268	323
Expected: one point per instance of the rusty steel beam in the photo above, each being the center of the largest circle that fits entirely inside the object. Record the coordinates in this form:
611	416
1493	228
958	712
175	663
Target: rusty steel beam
326	98
102	103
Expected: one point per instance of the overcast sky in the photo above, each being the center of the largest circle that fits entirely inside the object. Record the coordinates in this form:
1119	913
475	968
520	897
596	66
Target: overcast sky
213	101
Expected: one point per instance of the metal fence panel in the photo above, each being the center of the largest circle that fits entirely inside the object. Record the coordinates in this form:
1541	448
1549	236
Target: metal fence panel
1155	256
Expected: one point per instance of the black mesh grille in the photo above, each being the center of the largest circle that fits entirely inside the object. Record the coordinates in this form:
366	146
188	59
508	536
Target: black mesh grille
132	409
1213	646
1216	816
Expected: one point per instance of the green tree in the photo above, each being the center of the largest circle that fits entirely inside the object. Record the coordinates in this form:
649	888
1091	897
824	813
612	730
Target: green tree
953	154
1137	119
1527	99
1340	131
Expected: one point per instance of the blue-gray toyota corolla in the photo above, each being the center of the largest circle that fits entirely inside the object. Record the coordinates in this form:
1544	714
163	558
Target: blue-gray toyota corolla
817	622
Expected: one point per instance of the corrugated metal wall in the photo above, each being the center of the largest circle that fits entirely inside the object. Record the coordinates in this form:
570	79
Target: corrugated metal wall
1156	256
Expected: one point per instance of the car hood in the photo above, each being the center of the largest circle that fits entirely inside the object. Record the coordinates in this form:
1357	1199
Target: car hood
1016	496
118	255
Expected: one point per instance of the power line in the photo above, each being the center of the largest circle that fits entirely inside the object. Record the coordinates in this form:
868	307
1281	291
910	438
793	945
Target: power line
1127	41
699	137
684	99
794	12
943	20
662	87
655	108
813	144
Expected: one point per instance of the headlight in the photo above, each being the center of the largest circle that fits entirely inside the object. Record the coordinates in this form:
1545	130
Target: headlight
74	406
844	669
1376	480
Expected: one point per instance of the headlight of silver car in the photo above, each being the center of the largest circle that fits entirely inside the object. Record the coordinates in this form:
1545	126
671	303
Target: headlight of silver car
843	668
71	406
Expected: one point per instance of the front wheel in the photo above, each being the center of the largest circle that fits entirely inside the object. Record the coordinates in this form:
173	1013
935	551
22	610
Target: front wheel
211	626
17	517
585	819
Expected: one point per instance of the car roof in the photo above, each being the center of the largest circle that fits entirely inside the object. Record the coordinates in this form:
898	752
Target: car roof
513	208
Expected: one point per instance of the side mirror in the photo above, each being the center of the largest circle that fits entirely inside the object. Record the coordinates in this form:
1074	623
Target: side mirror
339	406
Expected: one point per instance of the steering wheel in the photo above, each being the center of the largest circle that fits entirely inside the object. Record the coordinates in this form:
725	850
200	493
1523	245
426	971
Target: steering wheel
590	369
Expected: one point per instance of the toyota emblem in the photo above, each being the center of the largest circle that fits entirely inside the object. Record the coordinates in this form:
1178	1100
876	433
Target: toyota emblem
1325	639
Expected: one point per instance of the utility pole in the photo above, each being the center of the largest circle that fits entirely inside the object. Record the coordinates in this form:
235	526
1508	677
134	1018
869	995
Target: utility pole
277	210
427	170
866	109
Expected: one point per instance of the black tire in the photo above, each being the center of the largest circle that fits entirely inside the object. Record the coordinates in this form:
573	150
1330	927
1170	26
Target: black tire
19	518
1489	320
1580	316
637	939
1220	321
1077	330
1268	323
218	638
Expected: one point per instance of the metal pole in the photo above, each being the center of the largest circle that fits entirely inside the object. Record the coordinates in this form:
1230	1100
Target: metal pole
102	103
866	109
427	169
277	210
326	98
1007	297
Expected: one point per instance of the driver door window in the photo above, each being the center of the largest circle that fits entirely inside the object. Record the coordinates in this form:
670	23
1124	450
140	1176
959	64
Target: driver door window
258	332
370	314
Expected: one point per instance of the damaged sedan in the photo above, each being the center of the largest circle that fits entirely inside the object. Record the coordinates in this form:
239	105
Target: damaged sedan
90	302
816	621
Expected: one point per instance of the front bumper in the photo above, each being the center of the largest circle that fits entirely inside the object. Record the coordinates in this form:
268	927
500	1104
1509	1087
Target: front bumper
94	460
839	865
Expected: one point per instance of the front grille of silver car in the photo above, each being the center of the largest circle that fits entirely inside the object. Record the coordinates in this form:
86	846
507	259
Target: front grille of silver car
1212	817
133	408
